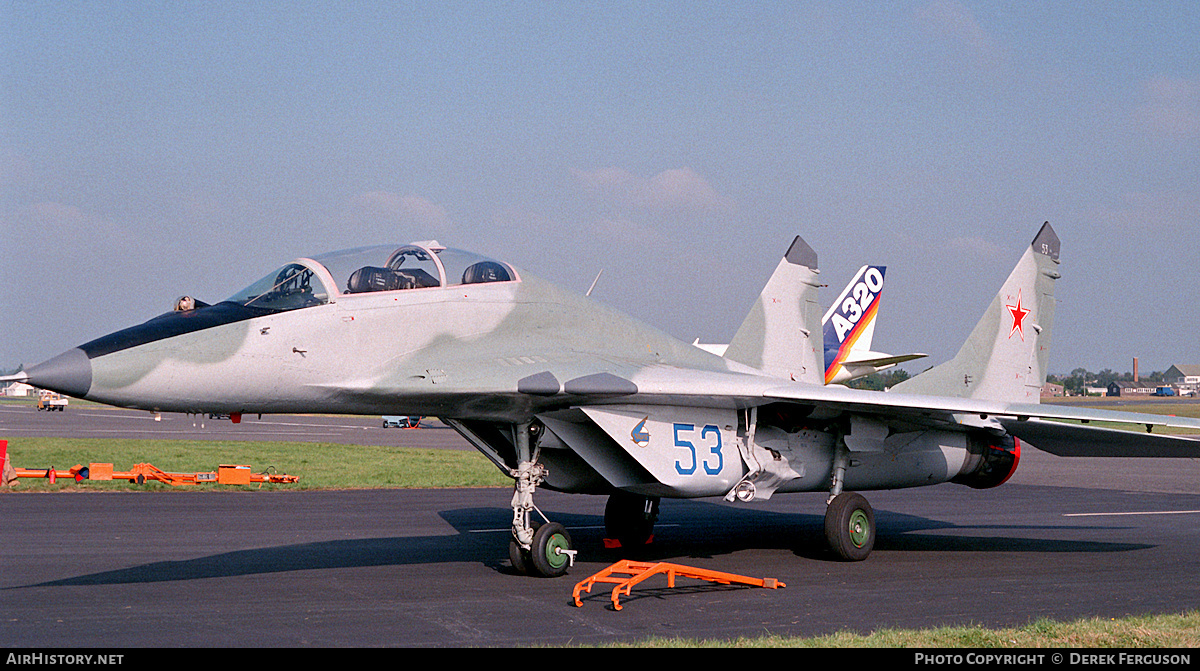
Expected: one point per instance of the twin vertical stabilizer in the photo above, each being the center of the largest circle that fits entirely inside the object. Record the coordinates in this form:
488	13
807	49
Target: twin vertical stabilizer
782	334
1004	359
1006	356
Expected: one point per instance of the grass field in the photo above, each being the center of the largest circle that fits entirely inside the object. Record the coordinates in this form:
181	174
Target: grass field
1151	631
318	465
1178	408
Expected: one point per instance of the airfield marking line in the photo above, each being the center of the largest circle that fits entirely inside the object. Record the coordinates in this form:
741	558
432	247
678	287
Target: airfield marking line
1148	512
593	526
184	432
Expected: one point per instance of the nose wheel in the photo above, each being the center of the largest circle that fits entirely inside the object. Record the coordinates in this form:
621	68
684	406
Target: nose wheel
850	526
550	554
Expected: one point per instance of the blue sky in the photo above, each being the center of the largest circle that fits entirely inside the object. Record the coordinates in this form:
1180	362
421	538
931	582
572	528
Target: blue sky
151	150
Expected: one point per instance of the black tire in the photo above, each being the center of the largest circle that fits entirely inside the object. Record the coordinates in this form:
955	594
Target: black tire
629	518
850	527
519	557
544	556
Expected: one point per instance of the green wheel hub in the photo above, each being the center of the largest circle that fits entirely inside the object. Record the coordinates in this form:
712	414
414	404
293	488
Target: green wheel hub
553	557
850	526
860	528
551	553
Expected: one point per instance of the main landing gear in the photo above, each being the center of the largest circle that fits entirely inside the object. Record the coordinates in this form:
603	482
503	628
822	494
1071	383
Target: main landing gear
629	520
849	520
542	550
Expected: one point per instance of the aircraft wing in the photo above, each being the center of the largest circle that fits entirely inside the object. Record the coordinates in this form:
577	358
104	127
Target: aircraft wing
1074	440
672	385
1044	426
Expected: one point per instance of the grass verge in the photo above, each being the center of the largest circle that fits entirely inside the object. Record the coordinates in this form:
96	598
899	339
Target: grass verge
1180	409
319	465
1140	631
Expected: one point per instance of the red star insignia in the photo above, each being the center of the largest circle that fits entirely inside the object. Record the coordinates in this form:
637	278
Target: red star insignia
1018	315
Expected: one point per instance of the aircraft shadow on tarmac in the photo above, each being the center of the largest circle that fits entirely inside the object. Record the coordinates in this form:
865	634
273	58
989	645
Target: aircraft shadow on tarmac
702	530
687	530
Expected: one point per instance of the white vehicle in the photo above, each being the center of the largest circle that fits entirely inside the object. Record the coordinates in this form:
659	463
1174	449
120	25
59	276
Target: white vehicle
49	401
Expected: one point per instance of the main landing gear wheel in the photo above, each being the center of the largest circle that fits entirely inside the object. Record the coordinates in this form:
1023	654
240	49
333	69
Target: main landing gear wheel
850	526
629	519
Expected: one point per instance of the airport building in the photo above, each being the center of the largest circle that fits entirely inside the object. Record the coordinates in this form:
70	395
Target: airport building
17	389
1179	380
1184	377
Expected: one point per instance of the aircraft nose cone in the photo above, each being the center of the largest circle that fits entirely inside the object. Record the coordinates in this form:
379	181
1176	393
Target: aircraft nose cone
68	373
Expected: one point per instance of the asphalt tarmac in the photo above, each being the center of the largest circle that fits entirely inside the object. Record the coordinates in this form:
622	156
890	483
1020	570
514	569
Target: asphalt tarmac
429	568
89	420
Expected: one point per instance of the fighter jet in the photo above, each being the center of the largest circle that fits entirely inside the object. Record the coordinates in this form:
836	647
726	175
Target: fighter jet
848	328
565	393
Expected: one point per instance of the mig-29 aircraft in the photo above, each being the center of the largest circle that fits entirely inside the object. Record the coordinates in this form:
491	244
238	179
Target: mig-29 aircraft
565	393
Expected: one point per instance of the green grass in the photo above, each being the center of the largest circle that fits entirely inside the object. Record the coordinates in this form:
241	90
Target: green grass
1180	409
318	465
1149	631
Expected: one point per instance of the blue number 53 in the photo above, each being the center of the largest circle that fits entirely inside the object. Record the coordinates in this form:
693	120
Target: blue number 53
682	434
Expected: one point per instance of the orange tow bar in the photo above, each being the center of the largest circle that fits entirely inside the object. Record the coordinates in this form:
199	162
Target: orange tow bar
637	572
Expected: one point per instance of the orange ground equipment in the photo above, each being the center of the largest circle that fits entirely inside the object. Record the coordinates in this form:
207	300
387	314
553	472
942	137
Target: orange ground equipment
637	572
8	474
226	474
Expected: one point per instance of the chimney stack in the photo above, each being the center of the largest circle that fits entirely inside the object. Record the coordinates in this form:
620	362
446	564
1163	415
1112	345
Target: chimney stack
1135	369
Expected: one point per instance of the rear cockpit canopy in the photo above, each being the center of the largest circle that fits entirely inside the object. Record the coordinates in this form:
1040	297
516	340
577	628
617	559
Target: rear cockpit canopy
419	265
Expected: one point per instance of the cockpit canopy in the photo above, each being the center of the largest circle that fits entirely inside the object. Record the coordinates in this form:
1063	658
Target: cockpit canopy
420	265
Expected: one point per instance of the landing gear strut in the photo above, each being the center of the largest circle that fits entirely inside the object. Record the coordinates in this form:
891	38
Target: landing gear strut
543	550
629	520
849	520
